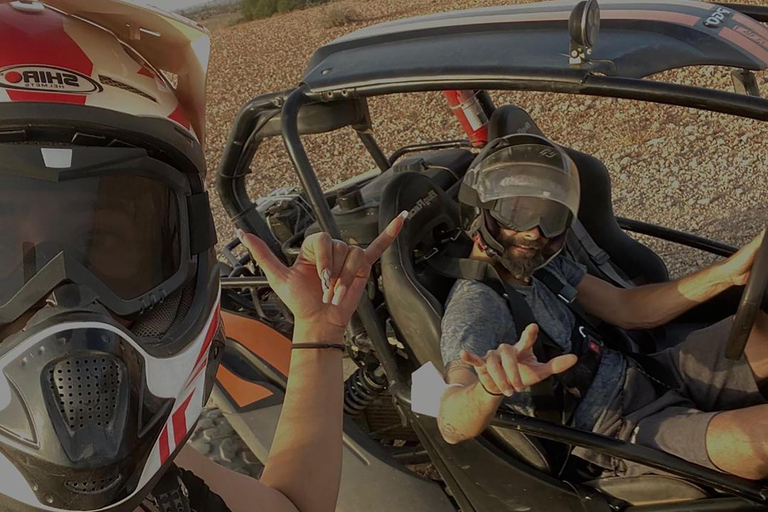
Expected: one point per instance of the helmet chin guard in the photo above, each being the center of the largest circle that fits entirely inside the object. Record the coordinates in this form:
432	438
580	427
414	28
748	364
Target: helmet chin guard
87	416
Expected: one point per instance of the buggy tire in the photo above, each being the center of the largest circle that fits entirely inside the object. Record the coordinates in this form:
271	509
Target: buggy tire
215	438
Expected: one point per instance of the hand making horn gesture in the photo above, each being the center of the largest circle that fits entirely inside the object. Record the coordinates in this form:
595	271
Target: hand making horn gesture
513	368
323	287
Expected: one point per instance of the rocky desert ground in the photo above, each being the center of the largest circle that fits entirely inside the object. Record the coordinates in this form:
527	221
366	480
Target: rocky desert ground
695	171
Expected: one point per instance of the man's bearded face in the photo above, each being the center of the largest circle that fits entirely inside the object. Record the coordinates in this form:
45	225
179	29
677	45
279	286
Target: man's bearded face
523	251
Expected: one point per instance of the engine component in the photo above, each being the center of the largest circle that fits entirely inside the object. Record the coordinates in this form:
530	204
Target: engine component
362	388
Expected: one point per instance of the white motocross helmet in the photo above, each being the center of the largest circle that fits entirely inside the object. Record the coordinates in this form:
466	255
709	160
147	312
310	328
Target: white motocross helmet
109	292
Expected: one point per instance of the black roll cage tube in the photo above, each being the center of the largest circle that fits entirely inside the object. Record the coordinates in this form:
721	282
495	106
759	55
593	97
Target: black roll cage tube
244	140
308	178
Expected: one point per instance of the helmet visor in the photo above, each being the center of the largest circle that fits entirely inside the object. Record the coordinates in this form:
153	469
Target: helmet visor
524	213
124	230
522	171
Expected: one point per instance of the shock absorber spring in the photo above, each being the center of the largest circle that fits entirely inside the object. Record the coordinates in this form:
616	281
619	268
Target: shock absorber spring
362	388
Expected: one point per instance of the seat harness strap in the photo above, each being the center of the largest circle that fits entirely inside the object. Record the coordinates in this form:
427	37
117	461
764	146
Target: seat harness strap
659	375
598	256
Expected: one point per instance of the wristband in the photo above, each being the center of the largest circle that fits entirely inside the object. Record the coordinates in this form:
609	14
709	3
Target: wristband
486	389
319	346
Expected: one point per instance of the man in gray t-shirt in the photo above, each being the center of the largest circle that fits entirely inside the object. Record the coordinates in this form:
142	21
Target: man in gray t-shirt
518	199
477	319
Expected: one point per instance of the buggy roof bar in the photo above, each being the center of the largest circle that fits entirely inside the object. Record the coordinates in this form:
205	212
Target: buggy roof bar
636	39
595	85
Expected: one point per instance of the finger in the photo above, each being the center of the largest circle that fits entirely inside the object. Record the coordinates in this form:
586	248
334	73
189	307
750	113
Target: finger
385	239
473	359
488	383
355	266
555	365
340	250
509	363
759	238
754	243
496	372
262	255
318	250
356	289
527	338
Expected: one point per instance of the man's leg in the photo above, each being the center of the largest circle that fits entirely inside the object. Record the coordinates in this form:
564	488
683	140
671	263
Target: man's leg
756	350
737	442
734	440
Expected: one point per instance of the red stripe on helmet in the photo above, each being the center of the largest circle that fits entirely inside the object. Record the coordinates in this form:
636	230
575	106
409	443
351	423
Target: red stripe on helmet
180	117
40	39
209	335
165	449
180	421
200	367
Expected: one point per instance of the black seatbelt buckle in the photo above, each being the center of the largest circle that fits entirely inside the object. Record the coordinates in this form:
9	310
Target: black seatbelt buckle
593	344
451	236
567	294
421	258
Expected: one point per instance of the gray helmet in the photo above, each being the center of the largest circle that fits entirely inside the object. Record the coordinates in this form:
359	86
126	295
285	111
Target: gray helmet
519	182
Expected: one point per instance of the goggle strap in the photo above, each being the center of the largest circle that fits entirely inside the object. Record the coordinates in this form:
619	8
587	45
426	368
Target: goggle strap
202	230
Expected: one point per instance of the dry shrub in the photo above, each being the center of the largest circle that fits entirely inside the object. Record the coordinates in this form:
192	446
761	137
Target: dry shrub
338	16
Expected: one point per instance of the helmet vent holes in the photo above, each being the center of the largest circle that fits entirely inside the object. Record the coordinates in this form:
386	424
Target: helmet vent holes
86	390
92	485
156	323
105	80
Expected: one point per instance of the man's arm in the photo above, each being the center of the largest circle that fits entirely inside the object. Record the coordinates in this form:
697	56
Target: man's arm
466	409
652	305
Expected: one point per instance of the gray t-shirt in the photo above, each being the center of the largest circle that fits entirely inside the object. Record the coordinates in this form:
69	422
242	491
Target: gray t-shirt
477	319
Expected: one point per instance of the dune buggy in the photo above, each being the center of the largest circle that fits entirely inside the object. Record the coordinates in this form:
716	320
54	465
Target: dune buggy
517	464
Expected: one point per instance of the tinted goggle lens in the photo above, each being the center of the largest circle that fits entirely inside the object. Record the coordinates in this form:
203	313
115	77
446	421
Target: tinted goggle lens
525	213
123	229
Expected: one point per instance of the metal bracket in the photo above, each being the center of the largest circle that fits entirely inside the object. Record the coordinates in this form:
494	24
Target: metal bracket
745	82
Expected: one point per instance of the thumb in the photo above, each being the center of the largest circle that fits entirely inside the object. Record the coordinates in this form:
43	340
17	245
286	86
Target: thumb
560	364
262	255
554	366
755	243
527	338
759	239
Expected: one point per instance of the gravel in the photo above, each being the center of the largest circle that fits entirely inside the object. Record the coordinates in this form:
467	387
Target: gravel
694	171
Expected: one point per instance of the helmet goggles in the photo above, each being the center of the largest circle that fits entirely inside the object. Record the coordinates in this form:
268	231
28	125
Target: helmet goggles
525	213
112	219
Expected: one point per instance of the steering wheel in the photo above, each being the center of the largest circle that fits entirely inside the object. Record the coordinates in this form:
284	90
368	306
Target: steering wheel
754	291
